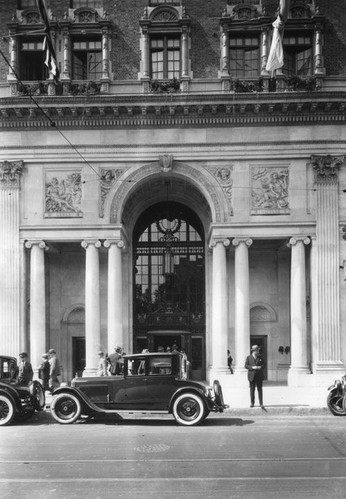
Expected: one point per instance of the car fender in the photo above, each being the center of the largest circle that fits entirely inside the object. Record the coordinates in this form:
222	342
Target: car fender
188	389
84	400
12	395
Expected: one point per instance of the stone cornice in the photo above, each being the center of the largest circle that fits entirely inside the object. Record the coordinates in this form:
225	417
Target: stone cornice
174	110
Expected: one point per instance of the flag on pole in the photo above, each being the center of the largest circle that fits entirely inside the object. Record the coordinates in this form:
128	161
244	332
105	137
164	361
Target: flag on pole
276	54
48	47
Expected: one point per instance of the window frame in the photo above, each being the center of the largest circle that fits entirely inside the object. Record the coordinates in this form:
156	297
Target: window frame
293	50
243	48
166	50
97	76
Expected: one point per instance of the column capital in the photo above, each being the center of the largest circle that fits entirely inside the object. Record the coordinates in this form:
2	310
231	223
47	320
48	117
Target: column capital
326	167
118	242
214	242
296	239
10	174
246	240
91	242
40	244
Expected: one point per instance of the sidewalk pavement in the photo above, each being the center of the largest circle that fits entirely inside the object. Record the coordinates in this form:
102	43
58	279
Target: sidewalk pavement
279	400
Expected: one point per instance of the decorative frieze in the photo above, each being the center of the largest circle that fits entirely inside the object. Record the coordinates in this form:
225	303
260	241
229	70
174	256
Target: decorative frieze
269	190
63	194
10	174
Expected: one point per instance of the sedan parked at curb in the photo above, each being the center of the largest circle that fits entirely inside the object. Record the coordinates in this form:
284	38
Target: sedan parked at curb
152	383
17	402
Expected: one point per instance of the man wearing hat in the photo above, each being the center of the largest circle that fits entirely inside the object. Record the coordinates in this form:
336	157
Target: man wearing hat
43	372
255	364
25	372
54	370
115	361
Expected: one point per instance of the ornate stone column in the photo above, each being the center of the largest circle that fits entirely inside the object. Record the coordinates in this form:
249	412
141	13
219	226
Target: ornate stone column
326	306
37	303
115	294
66	73
185	53
92	306
11	325
299	360
219	309
105	54
145	54
264	51
242	305
319	68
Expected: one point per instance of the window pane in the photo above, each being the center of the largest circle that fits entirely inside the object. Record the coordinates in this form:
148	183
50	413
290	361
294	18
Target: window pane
32	65
95	4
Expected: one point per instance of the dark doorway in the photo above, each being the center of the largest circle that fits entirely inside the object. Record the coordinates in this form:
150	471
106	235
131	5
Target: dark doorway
261	341
78	349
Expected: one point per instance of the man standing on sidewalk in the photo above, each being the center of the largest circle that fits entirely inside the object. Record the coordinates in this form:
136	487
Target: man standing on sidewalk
255	364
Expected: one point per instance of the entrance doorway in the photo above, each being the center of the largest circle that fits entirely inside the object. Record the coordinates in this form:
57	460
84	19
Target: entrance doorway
261	341
78	353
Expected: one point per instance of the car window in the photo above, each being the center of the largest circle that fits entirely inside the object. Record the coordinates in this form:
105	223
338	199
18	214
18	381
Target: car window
160	365
8	369
136	366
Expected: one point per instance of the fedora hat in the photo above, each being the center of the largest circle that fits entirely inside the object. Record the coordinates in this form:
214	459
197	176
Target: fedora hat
254	347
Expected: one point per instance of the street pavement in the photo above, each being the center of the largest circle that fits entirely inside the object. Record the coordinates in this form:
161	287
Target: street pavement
228	456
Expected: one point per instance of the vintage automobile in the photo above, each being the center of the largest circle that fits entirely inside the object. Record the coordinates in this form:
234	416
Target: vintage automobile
336	400
17	402
151	383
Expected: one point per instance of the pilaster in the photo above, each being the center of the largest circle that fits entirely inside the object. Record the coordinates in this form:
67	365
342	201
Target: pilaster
11	324
326	333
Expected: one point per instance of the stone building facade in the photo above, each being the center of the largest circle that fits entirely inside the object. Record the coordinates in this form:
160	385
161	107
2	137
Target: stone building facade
168	189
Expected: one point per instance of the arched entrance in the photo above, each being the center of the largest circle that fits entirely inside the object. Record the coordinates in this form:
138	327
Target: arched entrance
169	282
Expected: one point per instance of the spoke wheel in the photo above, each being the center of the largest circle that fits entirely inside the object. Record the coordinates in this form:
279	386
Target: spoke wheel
188	409
7	411
66	408
38	396
334	403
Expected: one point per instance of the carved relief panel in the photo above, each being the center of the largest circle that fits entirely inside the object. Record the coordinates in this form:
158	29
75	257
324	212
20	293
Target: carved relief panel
269	190
63	194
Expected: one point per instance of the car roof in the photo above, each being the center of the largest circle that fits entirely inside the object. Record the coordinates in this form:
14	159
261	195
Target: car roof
7	357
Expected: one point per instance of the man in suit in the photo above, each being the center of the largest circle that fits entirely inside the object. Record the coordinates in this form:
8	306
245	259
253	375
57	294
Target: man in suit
25	372
255	364
115	360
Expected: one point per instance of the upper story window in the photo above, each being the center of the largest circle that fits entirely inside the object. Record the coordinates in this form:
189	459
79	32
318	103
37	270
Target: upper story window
298	55
31	62
244	56
94	4
165	41
165	57
87	60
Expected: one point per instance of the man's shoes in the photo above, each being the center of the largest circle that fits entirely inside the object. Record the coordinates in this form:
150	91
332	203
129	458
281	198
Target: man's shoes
262	406
251	405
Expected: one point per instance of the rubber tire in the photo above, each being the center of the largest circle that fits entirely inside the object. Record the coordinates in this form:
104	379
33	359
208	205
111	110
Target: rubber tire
38	396
66	408
7	410
334	403
218	393
182	409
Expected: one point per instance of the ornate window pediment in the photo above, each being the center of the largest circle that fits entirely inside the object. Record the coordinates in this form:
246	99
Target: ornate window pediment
165	14
31	16
300	9
86	15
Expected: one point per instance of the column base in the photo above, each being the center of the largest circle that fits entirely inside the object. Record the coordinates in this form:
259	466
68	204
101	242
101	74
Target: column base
299	376
240	377
89	372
